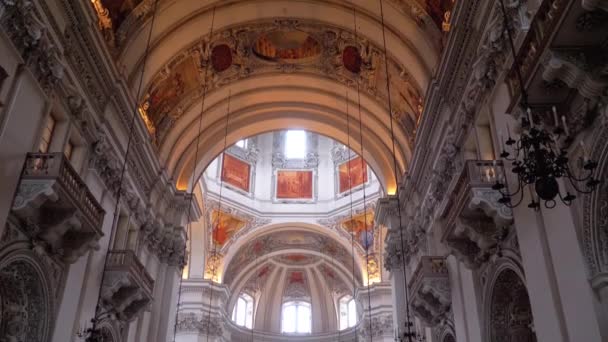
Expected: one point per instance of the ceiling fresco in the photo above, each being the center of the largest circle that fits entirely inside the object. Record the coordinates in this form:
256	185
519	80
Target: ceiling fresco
257	280
296	286
117	18
286	46
271	47
362	229
286	240
183	78
224	227
297	259
440	11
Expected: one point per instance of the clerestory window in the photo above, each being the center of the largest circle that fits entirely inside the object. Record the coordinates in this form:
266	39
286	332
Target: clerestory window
242	143
242	314
295	145
296	318
348	312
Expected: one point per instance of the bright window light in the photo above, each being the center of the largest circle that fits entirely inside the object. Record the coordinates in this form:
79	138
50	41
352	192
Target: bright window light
348	312
295	145
242	314
296	318
242	143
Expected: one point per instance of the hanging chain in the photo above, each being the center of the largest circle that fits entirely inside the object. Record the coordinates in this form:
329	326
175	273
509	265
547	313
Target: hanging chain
194	181
408	334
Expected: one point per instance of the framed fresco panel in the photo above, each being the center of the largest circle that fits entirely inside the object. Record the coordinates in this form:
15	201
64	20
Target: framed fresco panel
356	169
294	184
224	227
236	172
362	229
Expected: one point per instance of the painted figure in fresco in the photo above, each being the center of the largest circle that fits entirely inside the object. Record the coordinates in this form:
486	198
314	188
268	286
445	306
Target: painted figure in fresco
366	238
160	96
119	10
225	228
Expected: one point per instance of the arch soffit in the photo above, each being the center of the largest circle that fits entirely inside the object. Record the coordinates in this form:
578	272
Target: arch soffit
238	284
595	210
271	229
309	109
502	265
180	25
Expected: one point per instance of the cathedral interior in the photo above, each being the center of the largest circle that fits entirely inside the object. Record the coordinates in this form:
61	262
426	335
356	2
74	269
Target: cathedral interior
303	170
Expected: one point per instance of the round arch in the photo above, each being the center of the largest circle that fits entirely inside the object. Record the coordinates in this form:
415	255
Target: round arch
287	227
109	331
507	309
179	26
258	105
277	99
595	213
25	291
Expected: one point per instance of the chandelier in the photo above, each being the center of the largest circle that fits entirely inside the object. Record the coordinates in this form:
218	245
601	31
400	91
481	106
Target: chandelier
540	157
409	334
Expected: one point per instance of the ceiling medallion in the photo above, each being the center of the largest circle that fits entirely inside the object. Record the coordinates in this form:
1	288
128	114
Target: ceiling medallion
221	57
351	58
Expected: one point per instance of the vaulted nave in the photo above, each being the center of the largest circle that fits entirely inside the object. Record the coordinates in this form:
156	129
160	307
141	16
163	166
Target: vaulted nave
303	170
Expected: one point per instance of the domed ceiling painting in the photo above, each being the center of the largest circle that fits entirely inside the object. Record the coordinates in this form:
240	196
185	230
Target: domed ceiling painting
284	241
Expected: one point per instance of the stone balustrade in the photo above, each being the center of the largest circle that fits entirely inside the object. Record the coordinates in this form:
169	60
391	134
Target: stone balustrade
56	207
127	287
473	216
429	288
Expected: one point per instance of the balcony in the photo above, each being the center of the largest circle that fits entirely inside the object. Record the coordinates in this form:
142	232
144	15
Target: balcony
56	208
127	286
430	290
473	216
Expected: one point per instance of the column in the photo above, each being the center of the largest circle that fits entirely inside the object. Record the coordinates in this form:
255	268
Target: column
398	295
20	120
169	299
561	297
68	309
197	252
576	294
157	308
377	323
387	214
465	303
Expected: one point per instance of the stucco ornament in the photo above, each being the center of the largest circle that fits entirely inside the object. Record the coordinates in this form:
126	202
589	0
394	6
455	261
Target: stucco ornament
377	326
161	102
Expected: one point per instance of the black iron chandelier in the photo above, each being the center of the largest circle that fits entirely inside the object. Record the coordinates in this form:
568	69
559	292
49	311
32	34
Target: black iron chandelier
409	334
540	157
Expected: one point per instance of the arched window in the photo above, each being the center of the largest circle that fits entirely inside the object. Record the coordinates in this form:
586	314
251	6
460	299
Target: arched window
242	314
295	145
348	312
243	143
296	318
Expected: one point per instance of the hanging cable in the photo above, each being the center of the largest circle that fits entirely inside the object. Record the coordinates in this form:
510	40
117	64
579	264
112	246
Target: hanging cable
257	287
369	299
218	218
408	324
94	320
194	181
350	190
332	289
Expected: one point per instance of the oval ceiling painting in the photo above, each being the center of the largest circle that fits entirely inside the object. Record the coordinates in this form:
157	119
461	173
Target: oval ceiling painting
287	46
221	57
351	59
